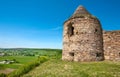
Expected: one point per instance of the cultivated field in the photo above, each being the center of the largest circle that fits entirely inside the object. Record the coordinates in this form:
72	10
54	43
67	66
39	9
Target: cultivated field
23	57
7	68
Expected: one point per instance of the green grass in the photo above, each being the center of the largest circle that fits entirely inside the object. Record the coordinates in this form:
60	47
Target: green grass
12	66
55	67
21	59
2	66
27	67
58	68
51	53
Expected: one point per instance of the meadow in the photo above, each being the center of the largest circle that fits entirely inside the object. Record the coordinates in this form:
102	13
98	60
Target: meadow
48	63
20	59
23	57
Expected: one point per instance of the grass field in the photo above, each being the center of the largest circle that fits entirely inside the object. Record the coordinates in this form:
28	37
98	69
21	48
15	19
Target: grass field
21	59
51	53
55	67
58	68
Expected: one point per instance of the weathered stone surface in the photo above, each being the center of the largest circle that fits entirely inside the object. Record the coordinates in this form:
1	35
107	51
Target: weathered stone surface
112	45
83	40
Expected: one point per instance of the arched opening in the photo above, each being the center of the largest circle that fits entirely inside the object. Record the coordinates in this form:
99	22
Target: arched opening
70	30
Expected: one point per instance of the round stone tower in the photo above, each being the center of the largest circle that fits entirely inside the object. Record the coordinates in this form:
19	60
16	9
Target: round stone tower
82	39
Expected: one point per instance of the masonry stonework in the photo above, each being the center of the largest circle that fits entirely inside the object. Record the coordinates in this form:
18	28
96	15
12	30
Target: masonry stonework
112	45
83	39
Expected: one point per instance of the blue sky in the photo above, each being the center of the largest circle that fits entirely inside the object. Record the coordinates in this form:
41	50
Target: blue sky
39	23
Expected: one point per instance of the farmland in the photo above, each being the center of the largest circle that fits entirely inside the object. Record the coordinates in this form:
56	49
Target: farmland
24	56
20	59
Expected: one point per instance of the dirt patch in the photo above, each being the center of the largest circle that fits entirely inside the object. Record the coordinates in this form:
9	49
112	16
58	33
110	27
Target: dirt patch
7	71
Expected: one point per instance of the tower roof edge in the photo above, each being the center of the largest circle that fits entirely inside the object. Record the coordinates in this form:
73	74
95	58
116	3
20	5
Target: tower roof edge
81	10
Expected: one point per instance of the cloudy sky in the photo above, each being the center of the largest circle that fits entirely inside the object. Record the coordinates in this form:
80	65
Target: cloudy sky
39	23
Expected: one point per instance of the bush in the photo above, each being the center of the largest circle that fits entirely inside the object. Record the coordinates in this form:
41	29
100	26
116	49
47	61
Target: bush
2	75
26	68
42	59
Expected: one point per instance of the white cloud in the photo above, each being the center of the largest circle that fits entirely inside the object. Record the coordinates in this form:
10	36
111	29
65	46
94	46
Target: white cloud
57	28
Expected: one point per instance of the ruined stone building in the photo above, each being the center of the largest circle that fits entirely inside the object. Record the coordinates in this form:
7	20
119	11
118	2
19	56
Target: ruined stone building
84	39
111	41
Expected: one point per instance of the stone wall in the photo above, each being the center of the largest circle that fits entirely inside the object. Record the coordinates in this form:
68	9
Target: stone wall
83	40
111	45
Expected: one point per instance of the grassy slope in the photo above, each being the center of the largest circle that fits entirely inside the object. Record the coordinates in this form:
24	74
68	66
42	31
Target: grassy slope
58	68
